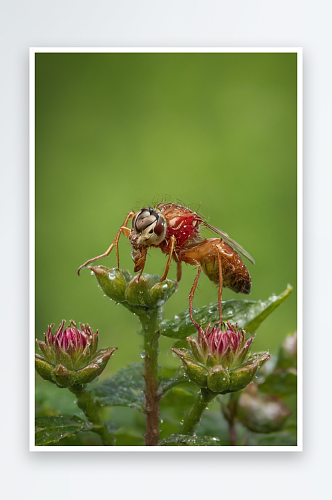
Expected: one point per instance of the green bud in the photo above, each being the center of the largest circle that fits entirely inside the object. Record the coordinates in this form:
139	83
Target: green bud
218	379
195	372
287	356
63	377
112	281
261	413
43	367
119	286
161	292
242	376
138	292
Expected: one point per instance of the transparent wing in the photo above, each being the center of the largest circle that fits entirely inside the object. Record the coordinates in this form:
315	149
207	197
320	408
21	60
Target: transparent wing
229	240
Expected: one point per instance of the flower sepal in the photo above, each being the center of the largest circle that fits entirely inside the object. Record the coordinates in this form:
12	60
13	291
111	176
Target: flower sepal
196	372
242	376
218	379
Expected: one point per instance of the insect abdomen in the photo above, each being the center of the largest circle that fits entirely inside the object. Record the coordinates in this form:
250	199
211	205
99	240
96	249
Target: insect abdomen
235	277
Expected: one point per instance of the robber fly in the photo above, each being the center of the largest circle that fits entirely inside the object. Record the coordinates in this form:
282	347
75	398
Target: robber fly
175	229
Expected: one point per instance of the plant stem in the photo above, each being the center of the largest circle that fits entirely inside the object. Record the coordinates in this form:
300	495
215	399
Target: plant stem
232	434
150	322
229	411
87	404
203	398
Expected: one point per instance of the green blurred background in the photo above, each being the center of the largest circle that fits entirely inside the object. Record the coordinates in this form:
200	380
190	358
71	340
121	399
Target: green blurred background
115	132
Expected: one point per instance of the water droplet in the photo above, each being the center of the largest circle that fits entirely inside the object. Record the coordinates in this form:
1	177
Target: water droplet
143	355
111	274
230	312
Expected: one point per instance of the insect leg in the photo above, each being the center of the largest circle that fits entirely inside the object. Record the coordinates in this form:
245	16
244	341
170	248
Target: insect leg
220	284
192	291
173	240
123	229
178	271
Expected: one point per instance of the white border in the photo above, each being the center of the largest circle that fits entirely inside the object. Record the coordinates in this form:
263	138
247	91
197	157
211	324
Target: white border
298	50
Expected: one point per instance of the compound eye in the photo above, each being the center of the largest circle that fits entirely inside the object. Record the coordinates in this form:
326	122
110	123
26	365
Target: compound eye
133	222
159	227
143	219
142	224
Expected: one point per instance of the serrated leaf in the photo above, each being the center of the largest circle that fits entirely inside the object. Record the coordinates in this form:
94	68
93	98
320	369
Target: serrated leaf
248	314
185	440
125	388
52	429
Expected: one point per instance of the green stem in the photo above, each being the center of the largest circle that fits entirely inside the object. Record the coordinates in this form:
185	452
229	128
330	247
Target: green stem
203	398
150	322
87	404
230	411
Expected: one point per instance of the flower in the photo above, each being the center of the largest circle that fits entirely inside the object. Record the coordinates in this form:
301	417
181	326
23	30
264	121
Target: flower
69	356
218	358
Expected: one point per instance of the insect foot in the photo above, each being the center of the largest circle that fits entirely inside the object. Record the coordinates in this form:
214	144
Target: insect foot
218	359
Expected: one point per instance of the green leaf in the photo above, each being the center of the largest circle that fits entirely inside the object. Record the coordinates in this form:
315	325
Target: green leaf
125	388
184	440
52	429
248	314
165	384
275	439
280	383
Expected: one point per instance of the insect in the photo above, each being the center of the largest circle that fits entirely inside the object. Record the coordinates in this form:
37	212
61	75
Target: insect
175	229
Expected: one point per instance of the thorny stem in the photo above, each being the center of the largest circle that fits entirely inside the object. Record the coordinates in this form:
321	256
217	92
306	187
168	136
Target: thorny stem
203	398
87	404
150	322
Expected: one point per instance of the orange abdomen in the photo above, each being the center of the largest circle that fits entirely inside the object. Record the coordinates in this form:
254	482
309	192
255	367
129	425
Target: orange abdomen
234	272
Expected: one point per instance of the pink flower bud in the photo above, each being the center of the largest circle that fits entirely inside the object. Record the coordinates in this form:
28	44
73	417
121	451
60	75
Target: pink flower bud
70	357
222	347
70	346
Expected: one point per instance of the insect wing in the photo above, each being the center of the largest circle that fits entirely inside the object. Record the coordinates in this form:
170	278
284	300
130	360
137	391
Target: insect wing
229	240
